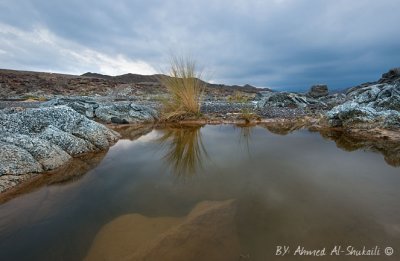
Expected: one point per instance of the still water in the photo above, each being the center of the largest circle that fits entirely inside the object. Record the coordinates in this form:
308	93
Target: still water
288	189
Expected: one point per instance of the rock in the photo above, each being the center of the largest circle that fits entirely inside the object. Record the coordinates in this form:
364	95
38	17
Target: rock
350	112
84	106
35	140
118	120
125	112
289	100
377	102
391	76
49	155
392	121
110	112
16	161
9	181
207	233
73	145
319	90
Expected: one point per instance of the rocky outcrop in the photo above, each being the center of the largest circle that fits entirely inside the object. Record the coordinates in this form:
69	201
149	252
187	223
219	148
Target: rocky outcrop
83	105
36	140
289	100
393	75
109	112
377	103
125	112
319	90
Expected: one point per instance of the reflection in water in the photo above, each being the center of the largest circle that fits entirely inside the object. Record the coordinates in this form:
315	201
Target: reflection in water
390	150
294	190
75	169
208	232
283	127
185	149
245	135
132	132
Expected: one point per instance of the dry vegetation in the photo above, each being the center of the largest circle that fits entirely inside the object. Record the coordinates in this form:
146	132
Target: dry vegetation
185	89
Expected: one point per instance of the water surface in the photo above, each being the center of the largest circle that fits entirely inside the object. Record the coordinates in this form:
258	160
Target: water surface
294	189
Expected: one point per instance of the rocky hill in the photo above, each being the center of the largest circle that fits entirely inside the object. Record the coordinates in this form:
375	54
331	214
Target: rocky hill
26	84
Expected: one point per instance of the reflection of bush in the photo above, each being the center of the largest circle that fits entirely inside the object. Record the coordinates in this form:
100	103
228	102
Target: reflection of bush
185	149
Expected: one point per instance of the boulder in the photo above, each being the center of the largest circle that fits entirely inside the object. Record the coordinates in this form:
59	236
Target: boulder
319	90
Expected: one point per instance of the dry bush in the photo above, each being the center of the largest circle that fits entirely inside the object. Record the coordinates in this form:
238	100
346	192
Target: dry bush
185	88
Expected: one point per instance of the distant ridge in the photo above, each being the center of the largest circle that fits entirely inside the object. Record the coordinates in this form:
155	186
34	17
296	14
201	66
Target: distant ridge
154	79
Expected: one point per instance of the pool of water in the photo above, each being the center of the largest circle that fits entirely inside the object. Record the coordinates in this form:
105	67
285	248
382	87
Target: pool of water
292	190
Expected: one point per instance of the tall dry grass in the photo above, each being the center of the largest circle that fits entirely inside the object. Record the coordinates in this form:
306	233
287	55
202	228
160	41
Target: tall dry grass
185	88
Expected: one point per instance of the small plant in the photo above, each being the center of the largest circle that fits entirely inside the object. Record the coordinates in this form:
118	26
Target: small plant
185	88
238	97
248	115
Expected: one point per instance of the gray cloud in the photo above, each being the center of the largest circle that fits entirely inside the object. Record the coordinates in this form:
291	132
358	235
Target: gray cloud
278	43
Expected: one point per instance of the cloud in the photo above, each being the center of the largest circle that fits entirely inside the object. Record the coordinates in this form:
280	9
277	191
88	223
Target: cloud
279	43
40	49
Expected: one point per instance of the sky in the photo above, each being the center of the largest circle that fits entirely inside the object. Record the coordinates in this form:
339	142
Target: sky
282	44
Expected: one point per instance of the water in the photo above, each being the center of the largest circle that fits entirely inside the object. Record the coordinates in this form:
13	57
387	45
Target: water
294	189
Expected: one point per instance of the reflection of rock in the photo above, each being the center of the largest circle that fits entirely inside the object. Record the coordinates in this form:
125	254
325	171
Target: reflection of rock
352	142
132	132
73	170
284	127
207	233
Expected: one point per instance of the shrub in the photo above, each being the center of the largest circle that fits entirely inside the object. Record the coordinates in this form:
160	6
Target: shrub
185	88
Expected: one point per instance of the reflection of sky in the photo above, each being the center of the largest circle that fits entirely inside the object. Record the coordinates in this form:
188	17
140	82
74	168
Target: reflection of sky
294	188
125	144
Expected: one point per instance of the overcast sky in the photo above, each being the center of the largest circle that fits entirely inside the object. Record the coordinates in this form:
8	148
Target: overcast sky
285	44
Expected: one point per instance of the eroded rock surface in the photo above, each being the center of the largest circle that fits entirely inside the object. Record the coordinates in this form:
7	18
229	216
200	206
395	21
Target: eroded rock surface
119	112
374	104
36	140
